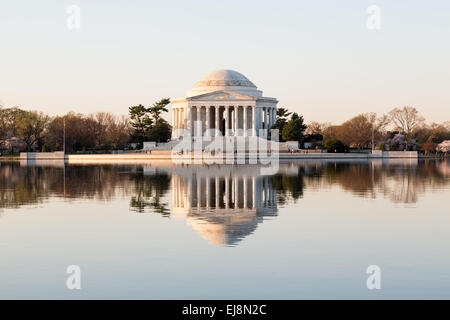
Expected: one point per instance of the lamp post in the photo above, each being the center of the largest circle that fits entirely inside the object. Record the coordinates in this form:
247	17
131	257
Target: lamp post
64	135
373	138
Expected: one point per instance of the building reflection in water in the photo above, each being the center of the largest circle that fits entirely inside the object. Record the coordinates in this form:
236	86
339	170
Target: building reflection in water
223	204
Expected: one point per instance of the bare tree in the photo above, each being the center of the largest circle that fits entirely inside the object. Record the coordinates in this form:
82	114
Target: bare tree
119	131
378	124
446	124
406	119
315	127
329	131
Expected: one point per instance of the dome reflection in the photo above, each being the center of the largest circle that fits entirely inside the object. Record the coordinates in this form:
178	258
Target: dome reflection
223	204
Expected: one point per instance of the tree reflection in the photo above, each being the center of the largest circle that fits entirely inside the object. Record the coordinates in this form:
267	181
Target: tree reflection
149	191
289	186
401	181
29	185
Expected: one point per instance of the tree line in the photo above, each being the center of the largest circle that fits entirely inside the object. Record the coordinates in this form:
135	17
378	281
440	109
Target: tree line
100	131
400	129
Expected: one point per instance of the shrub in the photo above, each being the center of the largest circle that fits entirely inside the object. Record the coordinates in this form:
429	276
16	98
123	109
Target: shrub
335	145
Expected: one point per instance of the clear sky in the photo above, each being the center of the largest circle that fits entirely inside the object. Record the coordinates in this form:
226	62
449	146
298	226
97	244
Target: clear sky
317	58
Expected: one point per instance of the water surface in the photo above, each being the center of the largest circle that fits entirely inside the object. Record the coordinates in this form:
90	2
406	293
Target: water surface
158	231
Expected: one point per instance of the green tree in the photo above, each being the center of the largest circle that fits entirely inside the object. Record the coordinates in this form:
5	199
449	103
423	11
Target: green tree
140	122
158	107
293	130
161	131
30	126
8	121
282	119
147	123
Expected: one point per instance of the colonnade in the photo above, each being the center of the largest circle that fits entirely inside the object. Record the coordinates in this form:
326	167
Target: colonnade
227	192
227	120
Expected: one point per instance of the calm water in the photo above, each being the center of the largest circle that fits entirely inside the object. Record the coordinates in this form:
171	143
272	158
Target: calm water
151	231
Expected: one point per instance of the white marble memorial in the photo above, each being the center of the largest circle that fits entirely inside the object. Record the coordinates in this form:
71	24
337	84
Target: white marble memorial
227	103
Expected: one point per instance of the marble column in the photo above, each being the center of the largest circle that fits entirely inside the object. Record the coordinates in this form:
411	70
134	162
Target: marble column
231	121
265	121
227	120
236	120
174	131
208	121
232	113
176	118
245	126
198	127
182	118
189	126
274	115
217	116
173	123
199	121
253	121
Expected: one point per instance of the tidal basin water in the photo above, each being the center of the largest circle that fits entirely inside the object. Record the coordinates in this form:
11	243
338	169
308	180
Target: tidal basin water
159	231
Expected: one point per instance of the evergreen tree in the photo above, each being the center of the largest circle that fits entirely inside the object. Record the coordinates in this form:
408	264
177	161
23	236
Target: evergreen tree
140	122
161	131
282	119
293	130
158	107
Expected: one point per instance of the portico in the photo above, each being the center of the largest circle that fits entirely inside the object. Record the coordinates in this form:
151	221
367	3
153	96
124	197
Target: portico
223	103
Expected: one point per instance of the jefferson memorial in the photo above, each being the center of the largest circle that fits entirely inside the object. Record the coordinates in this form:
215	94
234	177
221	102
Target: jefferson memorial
223	103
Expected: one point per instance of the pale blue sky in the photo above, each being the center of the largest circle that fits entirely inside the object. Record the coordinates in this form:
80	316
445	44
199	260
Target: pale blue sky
317	58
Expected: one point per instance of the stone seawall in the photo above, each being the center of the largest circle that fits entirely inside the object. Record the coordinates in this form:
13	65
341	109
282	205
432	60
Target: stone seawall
206	156
57	155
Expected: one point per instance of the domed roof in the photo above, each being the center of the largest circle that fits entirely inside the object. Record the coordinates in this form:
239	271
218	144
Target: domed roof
224	78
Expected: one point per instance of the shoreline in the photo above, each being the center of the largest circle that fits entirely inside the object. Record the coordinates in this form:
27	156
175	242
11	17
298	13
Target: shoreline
246	156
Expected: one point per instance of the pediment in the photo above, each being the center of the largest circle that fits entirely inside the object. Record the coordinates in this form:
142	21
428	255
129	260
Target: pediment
222	95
